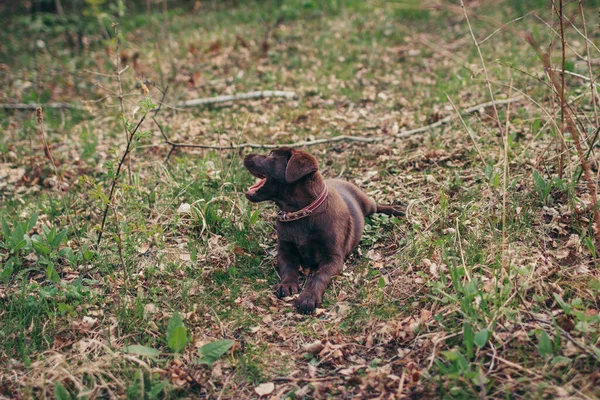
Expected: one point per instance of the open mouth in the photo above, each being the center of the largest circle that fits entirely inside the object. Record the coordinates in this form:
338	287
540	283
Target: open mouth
257	185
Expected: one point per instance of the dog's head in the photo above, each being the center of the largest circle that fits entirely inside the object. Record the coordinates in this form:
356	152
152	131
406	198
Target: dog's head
279	171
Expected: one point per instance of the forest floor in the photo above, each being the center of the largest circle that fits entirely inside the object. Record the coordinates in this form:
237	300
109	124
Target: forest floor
489	287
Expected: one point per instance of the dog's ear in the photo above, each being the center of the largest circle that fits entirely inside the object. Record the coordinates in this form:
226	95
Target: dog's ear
299	165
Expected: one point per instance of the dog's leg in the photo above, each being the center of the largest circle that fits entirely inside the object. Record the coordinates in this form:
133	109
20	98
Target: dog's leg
312	294
389	210
288	263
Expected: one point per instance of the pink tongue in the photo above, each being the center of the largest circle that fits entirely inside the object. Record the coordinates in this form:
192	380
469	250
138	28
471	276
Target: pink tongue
258	184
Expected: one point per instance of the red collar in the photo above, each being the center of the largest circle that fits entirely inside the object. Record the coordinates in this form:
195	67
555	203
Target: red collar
305	212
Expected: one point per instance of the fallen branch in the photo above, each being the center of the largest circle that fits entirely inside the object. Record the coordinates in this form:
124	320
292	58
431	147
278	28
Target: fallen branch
188	103
307	143
342	138
242	96
318	379
449	118
23	106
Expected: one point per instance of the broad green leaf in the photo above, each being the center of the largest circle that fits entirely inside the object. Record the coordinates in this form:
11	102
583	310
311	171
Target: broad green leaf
32	222
60	392
539	181
544	345
88	255
19	245
481	338
5	229
140	350
564	305
596	350
468	339
67	253
59	238
178	339
40	247
17	235
561	361
156	389
7	271
496	181
211	352
254	217
174	322
51	274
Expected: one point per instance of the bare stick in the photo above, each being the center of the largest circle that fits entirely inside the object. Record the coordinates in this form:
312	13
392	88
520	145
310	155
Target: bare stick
116	177
585	78
34	106
263	94
342	138
449	118
242	96
560	144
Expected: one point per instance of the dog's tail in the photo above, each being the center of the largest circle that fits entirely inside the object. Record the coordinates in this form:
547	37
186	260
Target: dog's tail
390	210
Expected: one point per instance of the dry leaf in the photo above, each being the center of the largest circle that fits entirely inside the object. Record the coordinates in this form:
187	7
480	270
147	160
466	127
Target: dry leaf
184	208
264	389
314	347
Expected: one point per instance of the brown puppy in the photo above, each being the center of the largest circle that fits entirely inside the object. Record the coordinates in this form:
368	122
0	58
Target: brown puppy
321	220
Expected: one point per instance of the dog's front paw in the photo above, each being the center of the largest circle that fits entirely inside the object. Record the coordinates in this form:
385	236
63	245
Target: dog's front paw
307	302
287	289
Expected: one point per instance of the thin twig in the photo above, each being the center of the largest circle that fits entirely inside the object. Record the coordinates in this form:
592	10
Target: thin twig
508	23
449	118
571	127
467	129
589	63
118	73
589	152
188	103
560	144
505	183
487	79
343	138
567	335
323	379
241	96
585	78
116	177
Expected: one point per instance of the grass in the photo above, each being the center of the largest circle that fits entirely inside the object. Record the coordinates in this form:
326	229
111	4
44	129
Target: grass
431	305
